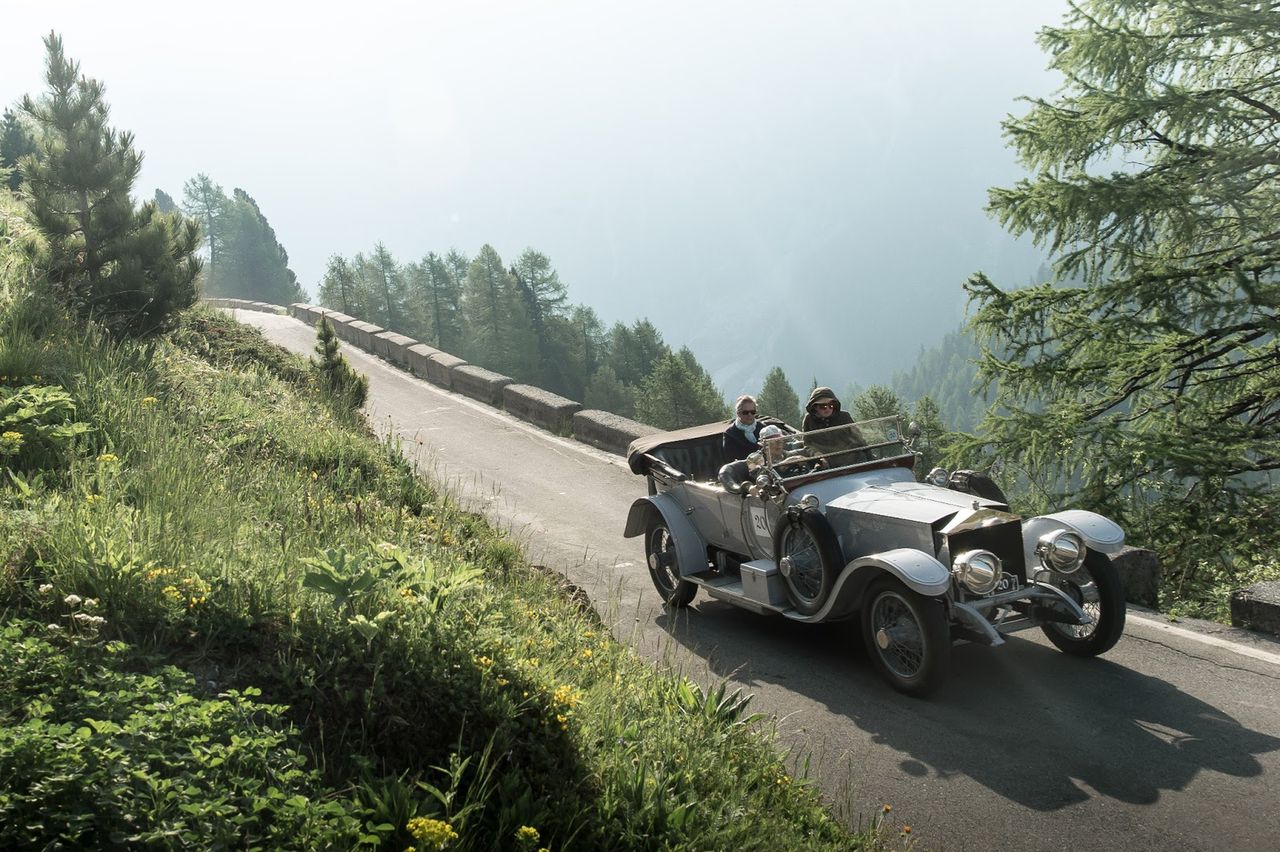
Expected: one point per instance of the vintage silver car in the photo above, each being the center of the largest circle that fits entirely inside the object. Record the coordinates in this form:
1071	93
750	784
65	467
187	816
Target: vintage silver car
833	524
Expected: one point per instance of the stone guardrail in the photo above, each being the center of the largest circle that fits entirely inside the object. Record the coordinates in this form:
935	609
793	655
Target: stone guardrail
1256	607
601	429
541	408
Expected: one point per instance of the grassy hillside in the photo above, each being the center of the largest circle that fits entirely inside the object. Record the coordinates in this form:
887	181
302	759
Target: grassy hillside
232	616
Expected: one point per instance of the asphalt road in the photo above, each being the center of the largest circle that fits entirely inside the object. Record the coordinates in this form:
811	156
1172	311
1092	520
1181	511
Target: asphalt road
1170	741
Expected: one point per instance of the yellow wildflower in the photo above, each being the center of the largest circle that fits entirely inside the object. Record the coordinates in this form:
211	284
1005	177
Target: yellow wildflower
148	401
10	443
484	662
527	835
108	458
92	498
565	696
436	834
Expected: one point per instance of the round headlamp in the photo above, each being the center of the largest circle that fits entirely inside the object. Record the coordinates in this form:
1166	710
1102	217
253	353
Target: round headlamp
1061	550
977	570
938	476
809	501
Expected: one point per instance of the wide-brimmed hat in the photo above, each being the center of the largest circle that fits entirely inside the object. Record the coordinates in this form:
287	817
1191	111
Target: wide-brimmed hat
820	400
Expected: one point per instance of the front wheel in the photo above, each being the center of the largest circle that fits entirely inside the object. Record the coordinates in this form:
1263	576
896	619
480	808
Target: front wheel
664	566
907	637
1096	586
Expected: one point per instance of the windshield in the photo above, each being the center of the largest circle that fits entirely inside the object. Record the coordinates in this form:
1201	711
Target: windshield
853	444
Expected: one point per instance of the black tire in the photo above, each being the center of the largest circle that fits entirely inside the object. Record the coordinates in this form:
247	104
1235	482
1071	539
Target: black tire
805	540
907	637
664	566
1096	586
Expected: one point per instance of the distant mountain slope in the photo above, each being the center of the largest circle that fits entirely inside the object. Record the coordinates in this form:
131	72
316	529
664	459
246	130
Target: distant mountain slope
946	373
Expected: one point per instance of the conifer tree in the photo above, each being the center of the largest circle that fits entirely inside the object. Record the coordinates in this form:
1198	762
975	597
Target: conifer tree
204	201
876	401
434	302
16	142
778	399
634	350
253	264
674	395
1150	366
338	287
934	438
500	336
130	268
605	393
343	385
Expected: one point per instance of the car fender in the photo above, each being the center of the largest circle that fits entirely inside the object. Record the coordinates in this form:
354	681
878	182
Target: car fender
691	548
1099	533
916	570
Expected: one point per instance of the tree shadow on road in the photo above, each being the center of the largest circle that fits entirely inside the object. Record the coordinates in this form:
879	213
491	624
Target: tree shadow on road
1033	725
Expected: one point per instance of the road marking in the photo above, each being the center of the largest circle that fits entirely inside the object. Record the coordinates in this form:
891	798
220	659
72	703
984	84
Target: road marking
1208	639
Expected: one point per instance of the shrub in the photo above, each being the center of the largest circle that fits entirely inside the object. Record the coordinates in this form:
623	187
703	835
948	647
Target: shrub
346	388
94	757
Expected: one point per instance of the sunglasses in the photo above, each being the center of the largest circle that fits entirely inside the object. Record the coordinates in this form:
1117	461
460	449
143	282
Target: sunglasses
824	405
747	411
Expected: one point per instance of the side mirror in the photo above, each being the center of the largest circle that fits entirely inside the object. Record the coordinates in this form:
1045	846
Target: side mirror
913	430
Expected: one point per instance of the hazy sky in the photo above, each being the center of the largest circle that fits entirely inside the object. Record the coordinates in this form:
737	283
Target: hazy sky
798	184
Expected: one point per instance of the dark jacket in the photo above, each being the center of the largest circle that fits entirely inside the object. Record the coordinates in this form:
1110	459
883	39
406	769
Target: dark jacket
838	416
736	445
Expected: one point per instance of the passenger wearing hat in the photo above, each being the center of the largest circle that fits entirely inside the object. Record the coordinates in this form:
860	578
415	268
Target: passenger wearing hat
823	411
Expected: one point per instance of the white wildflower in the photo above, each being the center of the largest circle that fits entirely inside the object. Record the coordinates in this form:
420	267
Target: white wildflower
72	600
46	588
54	628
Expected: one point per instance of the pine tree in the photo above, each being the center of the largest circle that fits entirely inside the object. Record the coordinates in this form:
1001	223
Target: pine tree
391	286
500	336
934	438
338	287
1151	366
435	299
165	203
346	388
876	401
674	396
131	268
16	142
606	393
634	351
778	399
578	346
253	264
204	201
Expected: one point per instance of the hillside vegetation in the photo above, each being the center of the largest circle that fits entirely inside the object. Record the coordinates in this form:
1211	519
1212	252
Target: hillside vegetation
232	616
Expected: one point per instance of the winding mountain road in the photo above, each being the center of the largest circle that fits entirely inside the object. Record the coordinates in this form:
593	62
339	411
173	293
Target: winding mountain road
1170	741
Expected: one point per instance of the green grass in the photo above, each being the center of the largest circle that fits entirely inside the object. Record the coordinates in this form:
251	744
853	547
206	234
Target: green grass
271	581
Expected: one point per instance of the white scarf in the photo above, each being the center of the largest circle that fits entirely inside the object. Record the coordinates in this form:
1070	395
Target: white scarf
749	429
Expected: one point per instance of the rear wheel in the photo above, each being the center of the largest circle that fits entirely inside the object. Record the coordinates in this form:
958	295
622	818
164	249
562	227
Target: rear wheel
664	566
1096	586
907	637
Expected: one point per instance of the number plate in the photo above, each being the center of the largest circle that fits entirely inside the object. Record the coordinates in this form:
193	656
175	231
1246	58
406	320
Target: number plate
1008	583
759	524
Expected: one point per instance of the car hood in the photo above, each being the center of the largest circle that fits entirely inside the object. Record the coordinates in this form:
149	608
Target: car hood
909	501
